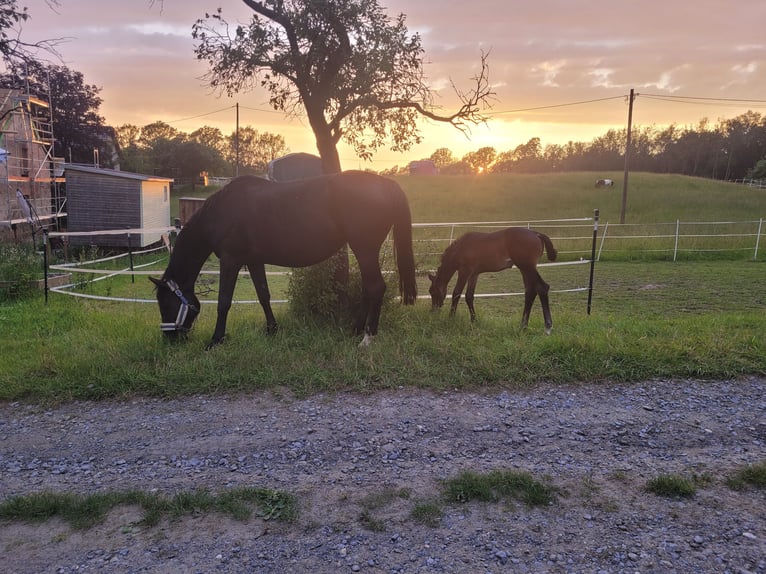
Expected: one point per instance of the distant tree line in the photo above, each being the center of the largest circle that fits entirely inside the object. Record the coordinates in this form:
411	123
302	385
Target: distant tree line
161	149
729	149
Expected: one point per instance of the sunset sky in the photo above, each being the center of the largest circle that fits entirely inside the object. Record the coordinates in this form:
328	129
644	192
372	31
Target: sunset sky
686	61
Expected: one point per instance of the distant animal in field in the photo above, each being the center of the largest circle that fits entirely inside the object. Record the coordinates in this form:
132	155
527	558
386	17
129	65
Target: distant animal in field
256	222
475	253
604	183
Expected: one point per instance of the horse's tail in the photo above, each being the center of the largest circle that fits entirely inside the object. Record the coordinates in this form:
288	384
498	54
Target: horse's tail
549	248
405	258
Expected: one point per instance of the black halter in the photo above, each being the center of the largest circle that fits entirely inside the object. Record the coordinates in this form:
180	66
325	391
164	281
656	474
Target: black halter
183	310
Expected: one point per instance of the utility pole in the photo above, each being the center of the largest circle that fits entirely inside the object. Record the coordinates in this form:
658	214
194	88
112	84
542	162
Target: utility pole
627	157
236	145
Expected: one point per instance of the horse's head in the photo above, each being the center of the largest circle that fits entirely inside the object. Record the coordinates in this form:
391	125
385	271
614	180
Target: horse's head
438	291
178	311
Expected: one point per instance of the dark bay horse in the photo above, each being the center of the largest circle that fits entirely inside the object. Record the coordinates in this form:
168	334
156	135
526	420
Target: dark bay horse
254	222
475	253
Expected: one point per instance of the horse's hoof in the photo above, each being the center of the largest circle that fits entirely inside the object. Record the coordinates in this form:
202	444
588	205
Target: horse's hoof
548	330
215	343
272	329
367	340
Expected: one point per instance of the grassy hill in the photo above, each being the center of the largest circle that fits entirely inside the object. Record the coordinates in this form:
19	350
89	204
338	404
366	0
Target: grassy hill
652	198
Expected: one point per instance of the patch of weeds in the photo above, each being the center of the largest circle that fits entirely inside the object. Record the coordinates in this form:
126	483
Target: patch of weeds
499	484
753	475
384	497
370	522
85	511
427	513
379	500
672	486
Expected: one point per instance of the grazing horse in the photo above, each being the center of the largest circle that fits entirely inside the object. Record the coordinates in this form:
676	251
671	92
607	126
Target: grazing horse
604	183
475	253
255	222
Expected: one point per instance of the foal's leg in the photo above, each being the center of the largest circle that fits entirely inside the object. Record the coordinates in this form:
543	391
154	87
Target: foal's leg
462	277
530	292
542	290
470	290
258	275
226	284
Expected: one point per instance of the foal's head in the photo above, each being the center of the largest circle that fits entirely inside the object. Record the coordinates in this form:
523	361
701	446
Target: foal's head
438	290
178	311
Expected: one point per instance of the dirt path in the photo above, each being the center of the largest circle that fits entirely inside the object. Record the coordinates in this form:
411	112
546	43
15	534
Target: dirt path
338	454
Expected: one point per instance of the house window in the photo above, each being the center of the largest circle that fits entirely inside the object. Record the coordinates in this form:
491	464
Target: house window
164	193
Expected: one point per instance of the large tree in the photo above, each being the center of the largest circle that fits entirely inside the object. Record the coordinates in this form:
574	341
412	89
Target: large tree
356	73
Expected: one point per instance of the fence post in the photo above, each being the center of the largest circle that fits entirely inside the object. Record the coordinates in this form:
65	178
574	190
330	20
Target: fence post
130	255
592	258
675	248
758	239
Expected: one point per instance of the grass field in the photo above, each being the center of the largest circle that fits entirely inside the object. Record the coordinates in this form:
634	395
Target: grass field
649	319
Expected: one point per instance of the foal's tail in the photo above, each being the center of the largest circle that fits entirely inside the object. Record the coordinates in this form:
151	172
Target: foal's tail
549	248
405	259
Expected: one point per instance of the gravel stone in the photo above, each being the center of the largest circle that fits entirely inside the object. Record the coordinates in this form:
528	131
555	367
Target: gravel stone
599	443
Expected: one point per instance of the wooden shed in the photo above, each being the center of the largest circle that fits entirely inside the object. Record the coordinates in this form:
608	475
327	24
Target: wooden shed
106	199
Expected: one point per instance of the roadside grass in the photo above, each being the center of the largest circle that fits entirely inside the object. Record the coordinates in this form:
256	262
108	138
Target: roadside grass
84	511
499	485
648	320
753	476
672	486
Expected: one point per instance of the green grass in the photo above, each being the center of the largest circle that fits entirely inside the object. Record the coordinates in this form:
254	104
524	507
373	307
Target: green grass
499	485
648	320
652	198
672	486
427	513
753	475
84	511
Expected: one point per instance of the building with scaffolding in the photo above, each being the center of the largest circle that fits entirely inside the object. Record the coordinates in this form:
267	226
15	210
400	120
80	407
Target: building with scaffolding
32	191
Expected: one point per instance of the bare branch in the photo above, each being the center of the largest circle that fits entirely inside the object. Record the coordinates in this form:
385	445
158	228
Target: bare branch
469	112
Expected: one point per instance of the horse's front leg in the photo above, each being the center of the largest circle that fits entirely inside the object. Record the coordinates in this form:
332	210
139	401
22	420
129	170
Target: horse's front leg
258	275
226	284
462	277
469	293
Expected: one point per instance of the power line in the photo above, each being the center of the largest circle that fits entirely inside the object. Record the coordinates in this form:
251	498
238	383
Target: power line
200	115
670	97
520	110
719	102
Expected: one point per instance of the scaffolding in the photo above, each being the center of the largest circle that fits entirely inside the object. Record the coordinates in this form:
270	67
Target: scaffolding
32	191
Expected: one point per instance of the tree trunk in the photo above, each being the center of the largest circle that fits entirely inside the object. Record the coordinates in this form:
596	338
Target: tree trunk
328	153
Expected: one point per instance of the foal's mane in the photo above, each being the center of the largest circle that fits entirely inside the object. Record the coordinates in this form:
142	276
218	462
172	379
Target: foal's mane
448	257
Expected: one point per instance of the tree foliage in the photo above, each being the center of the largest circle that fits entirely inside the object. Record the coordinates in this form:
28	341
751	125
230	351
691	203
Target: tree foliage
353	71
14	51
160	149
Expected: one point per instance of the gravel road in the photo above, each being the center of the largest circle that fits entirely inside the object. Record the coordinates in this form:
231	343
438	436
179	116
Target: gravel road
600	443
